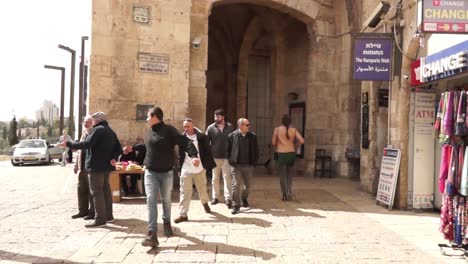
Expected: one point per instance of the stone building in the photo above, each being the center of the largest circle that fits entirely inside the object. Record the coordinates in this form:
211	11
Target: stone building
258	59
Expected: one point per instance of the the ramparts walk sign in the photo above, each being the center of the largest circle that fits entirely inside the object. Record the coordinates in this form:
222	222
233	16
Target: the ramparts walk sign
388	176
372	59
445	16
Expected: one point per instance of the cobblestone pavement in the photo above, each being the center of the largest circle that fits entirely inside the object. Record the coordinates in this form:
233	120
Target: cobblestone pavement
328	221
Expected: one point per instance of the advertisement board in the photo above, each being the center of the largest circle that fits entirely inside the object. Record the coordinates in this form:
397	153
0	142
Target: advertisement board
388	176
439	16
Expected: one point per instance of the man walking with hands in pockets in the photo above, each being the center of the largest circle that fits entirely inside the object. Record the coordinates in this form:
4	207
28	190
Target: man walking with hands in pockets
217	136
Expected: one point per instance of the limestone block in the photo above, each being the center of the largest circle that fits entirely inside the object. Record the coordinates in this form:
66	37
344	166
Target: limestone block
200	8
176	14
155	88
100	87
199	25
180	111
182	33
100	66
123	67
102	4
123	27
197	78
181	55
102	45
102	24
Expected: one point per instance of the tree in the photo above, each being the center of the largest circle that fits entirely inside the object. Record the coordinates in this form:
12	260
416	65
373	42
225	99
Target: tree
23	123
4	135
49	131
13	138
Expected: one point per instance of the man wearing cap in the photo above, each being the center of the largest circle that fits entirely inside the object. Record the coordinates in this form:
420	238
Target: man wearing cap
159	162
102	149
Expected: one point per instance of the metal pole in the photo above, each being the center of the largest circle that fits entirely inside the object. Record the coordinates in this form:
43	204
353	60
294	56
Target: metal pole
62	92
81	84
71	131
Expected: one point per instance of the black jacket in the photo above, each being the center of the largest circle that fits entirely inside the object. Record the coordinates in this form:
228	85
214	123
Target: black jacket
232	147
101	145
159	145
218	139
206	156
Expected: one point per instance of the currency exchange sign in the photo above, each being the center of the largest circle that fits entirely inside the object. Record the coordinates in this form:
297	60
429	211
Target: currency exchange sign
440	16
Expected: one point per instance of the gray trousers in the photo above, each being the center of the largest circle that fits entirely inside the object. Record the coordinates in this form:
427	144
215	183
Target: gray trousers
102	197
85	200
241	178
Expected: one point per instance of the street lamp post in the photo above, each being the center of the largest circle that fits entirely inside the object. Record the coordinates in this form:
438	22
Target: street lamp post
71	121
81	110
62	92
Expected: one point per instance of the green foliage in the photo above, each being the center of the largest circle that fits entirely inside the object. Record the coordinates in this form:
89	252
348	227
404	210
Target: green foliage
4	134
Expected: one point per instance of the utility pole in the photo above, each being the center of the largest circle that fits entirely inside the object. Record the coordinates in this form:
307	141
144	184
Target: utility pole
62	92
81	109
71	118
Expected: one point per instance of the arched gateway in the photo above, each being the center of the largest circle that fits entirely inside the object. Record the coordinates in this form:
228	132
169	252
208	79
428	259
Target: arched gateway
254	58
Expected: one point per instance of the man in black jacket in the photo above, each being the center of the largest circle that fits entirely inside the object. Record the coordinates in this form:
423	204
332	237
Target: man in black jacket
159	161
102	149
242	154
191	174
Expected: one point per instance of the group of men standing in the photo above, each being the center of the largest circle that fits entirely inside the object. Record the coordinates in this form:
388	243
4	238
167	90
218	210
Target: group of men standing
228	152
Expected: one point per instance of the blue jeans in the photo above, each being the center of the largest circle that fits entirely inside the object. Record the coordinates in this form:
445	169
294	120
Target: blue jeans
156	182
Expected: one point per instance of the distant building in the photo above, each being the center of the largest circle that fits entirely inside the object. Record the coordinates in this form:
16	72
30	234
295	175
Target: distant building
49	111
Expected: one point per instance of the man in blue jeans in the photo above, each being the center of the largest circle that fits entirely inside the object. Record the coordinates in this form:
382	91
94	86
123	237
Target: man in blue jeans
159	161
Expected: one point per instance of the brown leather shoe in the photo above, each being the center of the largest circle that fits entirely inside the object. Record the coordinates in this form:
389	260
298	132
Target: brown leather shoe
151	240
207	208
181	218
168	230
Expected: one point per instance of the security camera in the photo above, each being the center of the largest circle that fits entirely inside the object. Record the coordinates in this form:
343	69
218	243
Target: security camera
376	15
196	42
406	77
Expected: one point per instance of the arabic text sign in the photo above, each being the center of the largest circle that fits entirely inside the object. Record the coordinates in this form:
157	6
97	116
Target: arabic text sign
388	176
372	58
445	16
153	63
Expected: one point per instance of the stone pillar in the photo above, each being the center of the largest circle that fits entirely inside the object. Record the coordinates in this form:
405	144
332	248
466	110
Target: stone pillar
321	100
198	61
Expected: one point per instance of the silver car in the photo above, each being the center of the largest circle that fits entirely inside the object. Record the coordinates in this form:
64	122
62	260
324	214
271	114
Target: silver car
35	151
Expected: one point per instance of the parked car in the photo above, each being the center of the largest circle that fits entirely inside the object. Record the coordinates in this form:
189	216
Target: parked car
35	151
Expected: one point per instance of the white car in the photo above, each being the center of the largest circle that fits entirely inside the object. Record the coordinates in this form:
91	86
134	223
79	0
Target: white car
35	151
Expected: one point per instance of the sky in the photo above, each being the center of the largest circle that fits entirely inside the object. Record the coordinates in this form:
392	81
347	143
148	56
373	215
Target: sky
31	31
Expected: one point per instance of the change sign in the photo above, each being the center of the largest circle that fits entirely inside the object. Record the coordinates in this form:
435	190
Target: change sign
373	57
444	16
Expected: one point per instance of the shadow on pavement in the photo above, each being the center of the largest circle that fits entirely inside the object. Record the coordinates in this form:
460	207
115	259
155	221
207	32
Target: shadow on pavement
135	228
24	258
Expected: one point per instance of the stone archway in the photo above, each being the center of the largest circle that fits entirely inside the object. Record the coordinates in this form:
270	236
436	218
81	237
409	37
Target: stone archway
332	107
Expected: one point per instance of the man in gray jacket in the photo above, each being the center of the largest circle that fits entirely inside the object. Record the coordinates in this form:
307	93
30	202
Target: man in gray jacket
217	136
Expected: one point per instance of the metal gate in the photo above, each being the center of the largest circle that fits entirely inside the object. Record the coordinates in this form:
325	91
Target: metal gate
259	110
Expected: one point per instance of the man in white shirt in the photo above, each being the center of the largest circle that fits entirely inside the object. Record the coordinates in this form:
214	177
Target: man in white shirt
191	174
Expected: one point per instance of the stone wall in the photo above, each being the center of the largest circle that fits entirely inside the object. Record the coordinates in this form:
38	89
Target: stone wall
117	84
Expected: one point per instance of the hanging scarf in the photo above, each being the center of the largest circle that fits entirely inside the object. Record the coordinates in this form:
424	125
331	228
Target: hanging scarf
444	166
439	116
460	128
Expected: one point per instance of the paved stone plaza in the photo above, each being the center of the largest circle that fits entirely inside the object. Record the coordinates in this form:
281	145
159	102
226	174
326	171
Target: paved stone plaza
328	221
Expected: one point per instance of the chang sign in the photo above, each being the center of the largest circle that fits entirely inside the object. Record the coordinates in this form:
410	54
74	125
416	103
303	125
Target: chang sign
440	16
443	64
